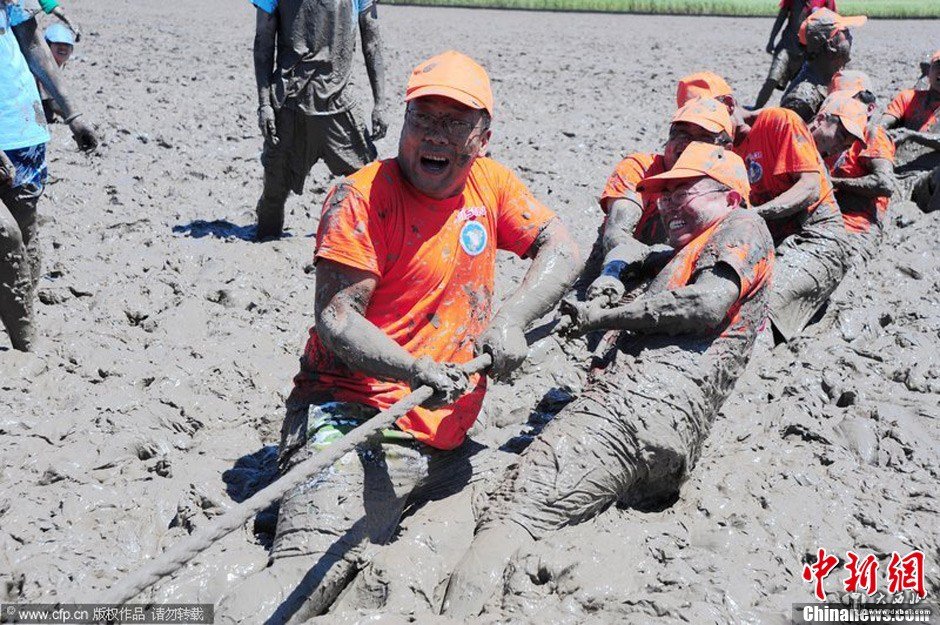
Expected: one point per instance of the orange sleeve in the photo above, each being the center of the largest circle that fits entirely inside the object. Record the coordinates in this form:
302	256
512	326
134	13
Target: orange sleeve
743	243
795	149
628	173
348	232
900	104
521	216
879	145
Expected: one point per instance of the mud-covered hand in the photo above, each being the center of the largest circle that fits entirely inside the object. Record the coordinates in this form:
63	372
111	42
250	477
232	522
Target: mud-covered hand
84	136
606	290
575	319
505	342
267	123
448	381
379	123
902	135
7	171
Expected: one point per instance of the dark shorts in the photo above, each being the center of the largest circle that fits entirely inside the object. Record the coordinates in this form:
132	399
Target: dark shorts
340	139
785	66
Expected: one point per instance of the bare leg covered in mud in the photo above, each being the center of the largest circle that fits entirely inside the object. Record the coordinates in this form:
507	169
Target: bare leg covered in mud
19	263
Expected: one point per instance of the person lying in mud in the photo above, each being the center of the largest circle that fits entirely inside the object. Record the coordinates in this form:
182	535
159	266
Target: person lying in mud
912	119
23	170
638	428
791	190
863	174
828	40
631	223
405	267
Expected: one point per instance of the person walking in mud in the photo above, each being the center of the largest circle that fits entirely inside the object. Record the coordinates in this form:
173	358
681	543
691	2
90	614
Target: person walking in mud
23	137
638	428
787	52
862	174
631	223
791	190
303	54
828	40
405	264
913	121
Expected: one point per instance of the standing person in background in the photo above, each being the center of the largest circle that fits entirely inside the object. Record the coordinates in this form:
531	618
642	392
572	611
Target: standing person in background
23	137
828	40
788	53
303	54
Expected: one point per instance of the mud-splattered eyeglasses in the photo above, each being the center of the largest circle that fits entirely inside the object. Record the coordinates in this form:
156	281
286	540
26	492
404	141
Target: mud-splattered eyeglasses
457	130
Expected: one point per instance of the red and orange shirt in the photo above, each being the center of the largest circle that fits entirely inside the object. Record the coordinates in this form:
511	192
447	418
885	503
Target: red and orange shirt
435	262
916	110
860	213
741	241
778	148
626	176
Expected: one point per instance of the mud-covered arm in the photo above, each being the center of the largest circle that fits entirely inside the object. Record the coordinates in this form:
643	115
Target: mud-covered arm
43	66
263	53
375	67
889	121
878	183
342	296
775	30
692	309
623	214
927	139
803	194
556	261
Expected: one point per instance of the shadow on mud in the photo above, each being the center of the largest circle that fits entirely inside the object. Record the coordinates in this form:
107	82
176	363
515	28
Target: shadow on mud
219	229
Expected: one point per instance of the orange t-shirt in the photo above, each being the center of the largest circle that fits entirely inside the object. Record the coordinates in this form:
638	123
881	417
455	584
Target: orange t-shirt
435	261
853	163
915	109
626	176
741	241
778	148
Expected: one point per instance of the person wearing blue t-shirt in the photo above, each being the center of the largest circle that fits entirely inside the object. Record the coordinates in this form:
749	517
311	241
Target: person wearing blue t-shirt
303	53
23	137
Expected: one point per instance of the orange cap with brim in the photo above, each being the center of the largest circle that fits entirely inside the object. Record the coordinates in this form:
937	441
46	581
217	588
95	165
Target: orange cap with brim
708	113
822	20
852	113
700	160
852	80
452	75
701	85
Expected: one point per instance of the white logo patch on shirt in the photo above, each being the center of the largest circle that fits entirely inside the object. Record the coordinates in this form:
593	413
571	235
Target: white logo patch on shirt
473	238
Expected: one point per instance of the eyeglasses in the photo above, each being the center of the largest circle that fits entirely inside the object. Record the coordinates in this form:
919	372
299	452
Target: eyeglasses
454	129
675	200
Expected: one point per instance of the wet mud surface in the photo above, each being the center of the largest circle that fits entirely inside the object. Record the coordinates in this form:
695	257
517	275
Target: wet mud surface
168	340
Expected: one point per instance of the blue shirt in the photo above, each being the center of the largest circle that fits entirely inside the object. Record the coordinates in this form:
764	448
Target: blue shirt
22	121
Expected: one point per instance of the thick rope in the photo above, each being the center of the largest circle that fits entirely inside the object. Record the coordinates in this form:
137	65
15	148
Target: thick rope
179	554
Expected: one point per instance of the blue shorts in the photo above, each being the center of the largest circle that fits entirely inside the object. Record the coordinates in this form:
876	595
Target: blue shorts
30	164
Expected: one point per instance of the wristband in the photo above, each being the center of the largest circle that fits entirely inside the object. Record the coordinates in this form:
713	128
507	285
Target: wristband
72	117
614	269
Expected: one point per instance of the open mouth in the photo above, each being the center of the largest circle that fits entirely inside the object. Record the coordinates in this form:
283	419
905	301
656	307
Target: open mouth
676	224
433	163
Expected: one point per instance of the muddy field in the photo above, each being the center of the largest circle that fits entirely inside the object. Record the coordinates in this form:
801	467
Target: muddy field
169	340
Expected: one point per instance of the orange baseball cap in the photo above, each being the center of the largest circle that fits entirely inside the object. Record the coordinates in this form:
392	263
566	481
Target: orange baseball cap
701	160
852	80
452	75
701	85
852	113
823	24
708	113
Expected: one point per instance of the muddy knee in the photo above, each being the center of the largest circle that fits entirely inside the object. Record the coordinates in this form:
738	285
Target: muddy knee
11	237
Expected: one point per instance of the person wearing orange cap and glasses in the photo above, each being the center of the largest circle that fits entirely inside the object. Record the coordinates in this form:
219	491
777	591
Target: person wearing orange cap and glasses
913	118
631	225
863	174
828	40
638	428
791	190
405	267
788	54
